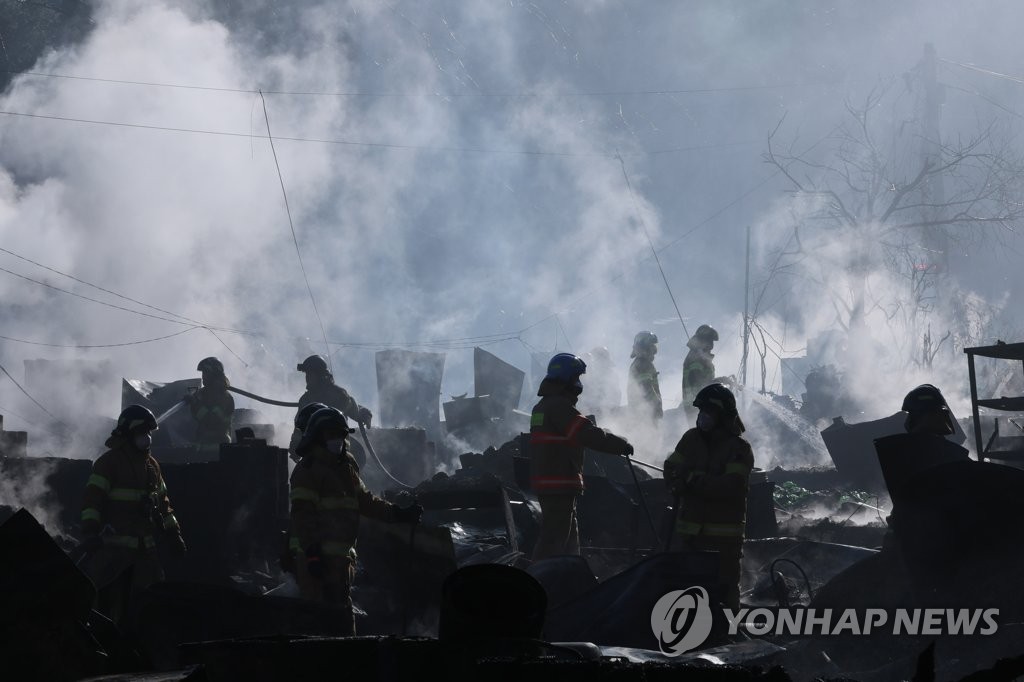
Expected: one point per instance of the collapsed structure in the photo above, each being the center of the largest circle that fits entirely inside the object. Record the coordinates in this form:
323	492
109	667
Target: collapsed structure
460	594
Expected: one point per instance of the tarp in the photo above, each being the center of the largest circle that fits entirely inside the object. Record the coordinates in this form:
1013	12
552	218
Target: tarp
498	379
408	389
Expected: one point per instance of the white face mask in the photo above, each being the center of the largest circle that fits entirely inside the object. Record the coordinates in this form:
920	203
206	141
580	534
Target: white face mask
143	442
336	446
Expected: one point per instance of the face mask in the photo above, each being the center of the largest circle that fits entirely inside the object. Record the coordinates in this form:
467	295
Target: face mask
705	422
336	446
143	442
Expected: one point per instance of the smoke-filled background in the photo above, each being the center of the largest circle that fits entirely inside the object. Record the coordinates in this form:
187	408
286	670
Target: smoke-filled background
454	178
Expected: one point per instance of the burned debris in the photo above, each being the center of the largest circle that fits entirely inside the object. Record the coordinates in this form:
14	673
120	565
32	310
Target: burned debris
904	519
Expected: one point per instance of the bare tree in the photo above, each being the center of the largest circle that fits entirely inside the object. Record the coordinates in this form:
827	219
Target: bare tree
900	206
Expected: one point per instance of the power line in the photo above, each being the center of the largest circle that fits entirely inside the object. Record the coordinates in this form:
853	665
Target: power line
374	145
109	291
654	252
440	95
94	300
29	396
295	239
98	345
987	72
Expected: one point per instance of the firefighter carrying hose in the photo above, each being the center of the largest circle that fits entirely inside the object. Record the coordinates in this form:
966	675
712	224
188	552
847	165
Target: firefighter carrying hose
125	508
327	498
708	474
320	388
212	407
558	435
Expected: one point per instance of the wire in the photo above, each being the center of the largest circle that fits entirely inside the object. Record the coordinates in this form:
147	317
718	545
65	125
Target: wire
114	293
654	251
978	69
99	345
29	396
373	145
478	94
94	300
295	239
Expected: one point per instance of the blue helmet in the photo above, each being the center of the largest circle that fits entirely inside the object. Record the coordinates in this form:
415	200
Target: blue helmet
566	368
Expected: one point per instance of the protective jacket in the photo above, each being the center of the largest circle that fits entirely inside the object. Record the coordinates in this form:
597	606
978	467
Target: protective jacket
710	472
642	389
327	497
332	395
126	491
698	371
558	435
212	408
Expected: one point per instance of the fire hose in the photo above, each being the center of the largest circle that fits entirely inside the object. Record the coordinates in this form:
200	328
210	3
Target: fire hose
362	430
640	494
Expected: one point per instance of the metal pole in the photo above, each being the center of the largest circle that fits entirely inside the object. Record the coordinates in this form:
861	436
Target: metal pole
974	402
746	313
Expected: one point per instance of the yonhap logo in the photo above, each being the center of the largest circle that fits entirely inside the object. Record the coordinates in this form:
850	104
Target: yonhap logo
681	620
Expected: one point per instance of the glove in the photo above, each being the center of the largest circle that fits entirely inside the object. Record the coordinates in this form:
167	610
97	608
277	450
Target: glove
189	398
315	561
178	547
411	514
627	451
365	416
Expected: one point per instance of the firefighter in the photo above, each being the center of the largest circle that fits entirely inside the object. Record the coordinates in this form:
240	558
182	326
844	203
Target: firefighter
212	407
320	388
708	474
558	435
327	498
927	412
643	394
301	421
125	508
698	366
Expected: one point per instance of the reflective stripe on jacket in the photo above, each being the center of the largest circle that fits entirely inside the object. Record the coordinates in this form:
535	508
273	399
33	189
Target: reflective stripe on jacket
558	436
126	491
711	473
327	497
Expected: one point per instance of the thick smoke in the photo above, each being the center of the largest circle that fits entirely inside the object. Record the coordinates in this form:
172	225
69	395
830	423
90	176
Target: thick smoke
491	201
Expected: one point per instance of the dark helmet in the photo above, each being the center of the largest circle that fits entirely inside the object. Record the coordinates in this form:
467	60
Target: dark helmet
212	365
132	418
716	397
566	368
924	399
303	415
706	332
320	421
314	364
644	342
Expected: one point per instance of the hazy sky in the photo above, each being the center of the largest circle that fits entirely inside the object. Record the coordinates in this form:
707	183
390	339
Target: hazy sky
472	187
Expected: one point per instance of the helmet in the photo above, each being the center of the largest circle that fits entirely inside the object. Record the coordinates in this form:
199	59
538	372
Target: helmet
320	421
706	332
643	342
315	364
133	417
212	365
566	368
716	396
924	399
304	413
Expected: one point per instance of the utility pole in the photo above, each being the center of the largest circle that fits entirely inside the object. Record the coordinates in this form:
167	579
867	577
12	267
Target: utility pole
746	314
